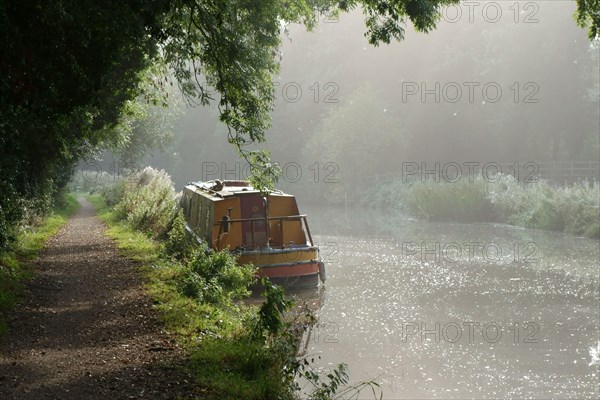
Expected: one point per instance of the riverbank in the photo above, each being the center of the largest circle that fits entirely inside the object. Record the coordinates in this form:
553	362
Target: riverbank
574	208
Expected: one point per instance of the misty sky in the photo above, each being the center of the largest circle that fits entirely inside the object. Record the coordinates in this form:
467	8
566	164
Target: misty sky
502	81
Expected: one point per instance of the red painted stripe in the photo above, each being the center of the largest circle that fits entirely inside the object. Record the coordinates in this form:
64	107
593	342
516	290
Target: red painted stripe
296	270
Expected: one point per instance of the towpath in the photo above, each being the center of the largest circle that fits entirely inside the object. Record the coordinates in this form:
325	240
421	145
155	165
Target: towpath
86	329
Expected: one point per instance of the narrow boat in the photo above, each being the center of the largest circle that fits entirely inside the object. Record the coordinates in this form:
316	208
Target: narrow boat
267	231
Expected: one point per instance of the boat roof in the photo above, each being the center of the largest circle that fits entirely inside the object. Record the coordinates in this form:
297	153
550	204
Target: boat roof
228	188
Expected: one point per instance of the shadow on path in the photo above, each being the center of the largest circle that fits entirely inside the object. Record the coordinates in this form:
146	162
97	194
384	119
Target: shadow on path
87	330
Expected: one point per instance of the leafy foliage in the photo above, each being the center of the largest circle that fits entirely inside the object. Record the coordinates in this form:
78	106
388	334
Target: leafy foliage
146	123
272	310
179	244
580	207
59	91
215	277
385	20
588	15
11	213
148	201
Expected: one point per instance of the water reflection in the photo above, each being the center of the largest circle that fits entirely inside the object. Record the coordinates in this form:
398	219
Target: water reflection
502	312
312	297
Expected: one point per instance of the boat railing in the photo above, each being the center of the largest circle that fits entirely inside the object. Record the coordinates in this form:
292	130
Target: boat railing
281	219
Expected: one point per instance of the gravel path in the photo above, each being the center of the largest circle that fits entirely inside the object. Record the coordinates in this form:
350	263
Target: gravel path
87	330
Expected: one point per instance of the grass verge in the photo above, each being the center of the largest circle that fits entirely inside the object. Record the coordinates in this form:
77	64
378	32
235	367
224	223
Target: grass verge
132	244
15	265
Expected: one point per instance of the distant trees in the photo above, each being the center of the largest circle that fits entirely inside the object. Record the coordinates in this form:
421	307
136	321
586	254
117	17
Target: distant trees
360	138
146	124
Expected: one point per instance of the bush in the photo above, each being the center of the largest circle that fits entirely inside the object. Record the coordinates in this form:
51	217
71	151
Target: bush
532	206
215	277
147	201
179	243
11	213
580	209
574	209
462	201
389	195
114	193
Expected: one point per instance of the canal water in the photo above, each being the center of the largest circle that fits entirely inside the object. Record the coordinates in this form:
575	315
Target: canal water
443	310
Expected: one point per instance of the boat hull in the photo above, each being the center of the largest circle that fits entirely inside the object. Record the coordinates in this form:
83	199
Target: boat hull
298	267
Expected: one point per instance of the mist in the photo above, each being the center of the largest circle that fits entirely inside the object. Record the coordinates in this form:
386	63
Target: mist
506	85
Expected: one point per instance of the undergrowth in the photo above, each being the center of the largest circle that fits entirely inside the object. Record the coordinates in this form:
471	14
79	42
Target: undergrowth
461	201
